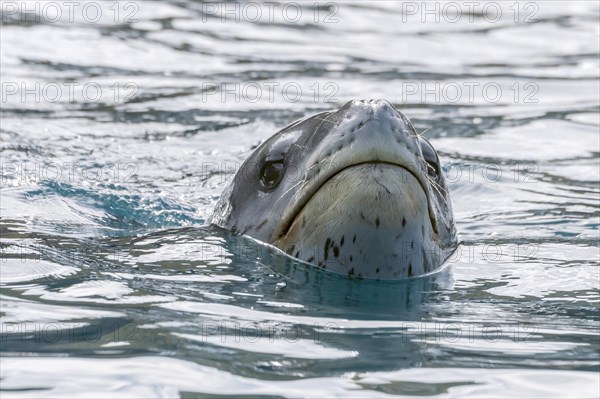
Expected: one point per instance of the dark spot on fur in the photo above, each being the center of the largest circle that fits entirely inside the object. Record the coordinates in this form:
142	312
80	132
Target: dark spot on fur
342	242
297	253
327	244
350	258
354	239
403	222
377	270
362	216
336	251
410	271
377	222
412	245
261	224
426	263
309	260
351	272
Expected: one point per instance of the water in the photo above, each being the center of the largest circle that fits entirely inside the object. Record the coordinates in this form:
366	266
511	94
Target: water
112	284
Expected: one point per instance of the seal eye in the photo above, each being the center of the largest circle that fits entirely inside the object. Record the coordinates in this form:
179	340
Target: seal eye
432	161
432	170
271	173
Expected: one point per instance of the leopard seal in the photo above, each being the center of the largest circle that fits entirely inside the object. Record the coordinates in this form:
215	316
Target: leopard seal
355	191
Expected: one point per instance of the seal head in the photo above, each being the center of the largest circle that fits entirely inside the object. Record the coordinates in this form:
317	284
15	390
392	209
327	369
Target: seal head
355	191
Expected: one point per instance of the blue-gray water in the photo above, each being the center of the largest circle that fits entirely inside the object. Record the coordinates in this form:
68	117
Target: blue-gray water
116	145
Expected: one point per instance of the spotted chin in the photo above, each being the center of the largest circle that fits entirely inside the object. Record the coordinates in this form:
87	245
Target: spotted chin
368	221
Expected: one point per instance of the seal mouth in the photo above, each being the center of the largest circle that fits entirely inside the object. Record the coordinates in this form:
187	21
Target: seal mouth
289	219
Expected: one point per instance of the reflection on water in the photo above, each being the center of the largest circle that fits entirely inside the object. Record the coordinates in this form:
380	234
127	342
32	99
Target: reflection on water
118	135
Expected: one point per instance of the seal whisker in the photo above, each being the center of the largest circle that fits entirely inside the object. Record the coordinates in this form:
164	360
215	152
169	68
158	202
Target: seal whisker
423	132
288	190
322	121
439	189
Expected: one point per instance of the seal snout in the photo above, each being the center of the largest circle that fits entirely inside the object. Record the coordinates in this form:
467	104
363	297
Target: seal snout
378	118
370	131
378	109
